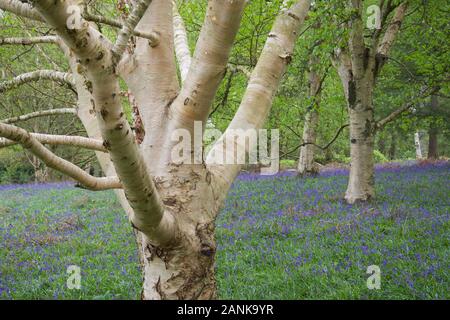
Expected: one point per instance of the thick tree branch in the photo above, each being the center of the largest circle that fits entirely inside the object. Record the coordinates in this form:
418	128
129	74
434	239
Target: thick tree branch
51	160
392	30
152	91
382	49
356	41
73	141
28	41
342	62
57	76
94	55
209	63
20	9
263	84
128	27
181	43
386	8
38	114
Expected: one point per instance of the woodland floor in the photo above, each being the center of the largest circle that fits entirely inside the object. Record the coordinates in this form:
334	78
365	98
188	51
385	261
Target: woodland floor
278	238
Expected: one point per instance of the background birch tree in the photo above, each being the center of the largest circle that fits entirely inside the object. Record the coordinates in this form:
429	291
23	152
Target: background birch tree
372	31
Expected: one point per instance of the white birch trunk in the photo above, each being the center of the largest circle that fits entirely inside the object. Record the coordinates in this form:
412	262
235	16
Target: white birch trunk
358	67
306	164
418	146
361	180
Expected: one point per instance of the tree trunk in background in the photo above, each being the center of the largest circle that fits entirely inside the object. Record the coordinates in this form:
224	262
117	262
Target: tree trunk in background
40	170
393	146
418	146
306	164
433	143
433	132
361	181
358	67
329	155
358	83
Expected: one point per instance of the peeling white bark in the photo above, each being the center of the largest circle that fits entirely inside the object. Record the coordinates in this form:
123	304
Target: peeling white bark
74	141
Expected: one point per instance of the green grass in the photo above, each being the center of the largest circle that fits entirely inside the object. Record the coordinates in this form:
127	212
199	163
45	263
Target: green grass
278	238
47	230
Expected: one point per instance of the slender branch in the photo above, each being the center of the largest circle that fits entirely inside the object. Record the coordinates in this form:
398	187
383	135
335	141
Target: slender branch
241	68
225	94
61	77
27	11
73	141
153	37
424	93
53	161
42	113
293	131
28	41
394	115
128	27
336	136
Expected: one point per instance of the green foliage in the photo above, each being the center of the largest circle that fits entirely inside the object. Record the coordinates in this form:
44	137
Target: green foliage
14	168
342	159
287	164
379	157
